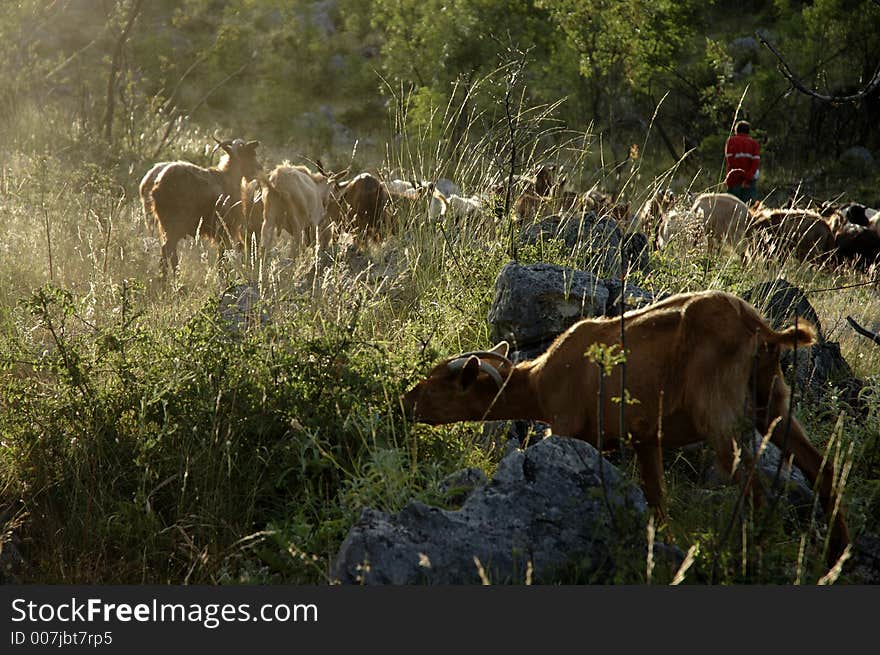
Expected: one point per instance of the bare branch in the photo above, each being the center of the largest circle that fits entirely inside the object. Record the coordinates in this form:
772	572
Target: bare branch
786	72
873	336
134	10
175	113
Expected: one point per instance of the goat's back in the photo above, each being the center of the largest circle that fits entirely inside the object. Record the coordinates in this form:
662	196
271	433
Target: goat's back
725	216
366	199
802	230
689	358
186	197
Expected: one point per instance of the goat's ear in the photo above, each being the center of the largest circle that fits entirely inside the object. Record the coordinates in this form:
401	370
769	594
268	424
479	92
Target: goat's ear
252	145
469	372
500	348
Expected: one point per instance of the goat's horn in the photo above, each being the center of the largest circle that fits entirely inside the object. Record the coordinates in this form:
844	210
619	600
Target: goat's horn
501	348
865	333
220	144
488	354
492	372
458	363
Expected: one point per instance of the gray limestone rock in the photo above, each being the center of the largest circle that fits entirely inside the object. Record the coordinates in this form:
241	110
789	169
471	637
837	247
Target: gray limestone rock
543	508
535	303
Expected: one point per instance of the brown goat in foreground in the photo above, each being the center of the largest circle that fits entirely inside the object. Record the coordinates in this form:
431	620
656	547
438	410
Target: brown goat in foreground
698	365
188	200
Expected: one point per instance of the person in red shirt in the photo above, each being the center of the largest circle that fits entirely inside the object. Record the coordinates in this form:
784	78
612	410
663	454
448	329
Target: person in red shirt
743	156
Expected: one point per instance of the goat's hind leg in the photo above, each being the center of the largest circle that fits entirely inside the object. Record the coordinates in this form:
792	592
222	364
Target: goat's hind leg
789	436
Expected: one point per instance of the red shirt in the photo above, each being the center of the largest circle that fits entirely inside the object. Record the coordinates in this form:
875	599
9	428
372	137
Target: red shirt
741	152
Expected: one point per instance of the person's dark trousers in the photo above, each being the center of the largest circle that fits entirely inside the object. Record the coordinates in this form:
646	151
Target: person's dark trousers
746	194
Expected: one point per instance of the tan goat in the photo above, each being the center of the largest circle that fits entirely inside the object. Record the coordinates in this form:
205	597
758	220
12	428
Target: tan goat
295	199
724	216
650	215
721	217
188	200
696	365
146	188
252	212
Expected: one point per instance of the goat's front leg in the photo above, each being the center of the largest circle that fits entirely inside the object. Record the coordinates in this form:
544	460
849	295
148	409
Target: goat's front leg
267	235
735	463
650	458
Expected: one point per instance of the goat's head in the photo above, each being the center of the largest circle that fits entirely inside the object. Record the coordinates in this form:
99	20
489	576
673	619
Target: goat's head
460	388
240	153
544	180
330	189
856	214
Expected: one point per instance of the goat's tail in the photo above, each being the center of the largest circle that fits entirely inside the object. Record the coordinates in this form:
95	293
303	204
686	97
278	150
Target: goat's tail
157	202
150	218
801	335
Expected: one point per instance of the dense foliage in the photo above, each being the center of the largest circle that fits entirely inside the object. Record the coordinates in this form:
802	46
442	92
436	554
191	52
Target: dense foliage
317	76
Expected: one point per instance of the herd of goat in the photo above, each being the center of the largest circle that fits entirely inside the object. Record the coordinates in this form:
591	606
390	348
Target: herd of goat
697	363
236	203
